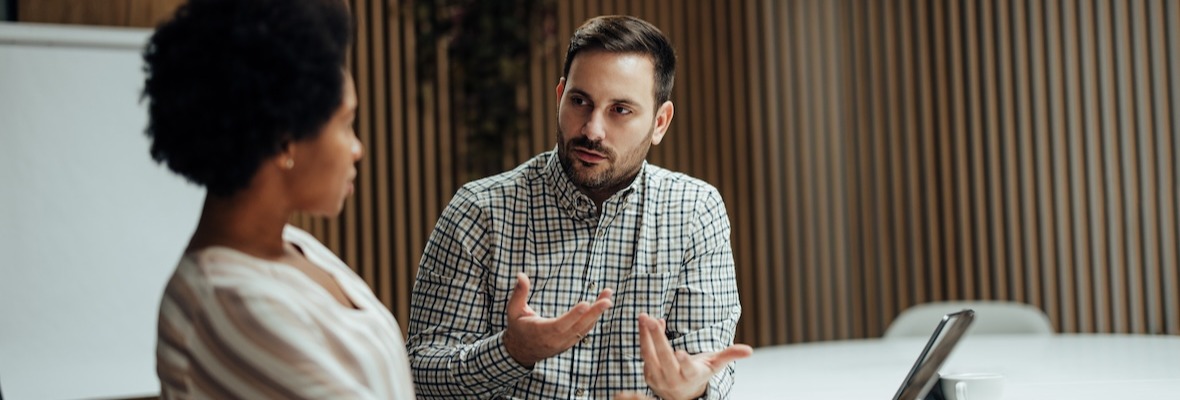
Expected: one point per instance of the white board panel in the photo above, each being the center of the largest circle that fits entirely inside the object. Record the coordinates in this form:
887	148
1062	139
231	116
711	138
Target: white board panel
90	226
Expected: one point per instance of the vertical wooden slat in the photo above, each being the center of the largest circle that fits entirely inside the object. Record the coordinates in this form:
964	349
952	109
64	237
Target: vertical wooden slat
890	186
757	323
386	77
1074	224
970	146
367	113
993	262
1091	248
805	181
706	134
747	207
1055	184
1160	121
849	187
1146	175
775	288
1043	287
1109	41
415	216
1013	240
957	136
652	13
694	68
913	260
434	103
1028	214
1128	167
1167	77
821	175
1102	120
928	254
789	14
834	188
877	257
944	242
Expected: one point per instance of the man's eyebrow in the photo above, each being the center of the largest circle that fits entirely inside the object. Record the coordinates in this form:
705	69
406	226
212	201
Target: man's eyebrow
625	101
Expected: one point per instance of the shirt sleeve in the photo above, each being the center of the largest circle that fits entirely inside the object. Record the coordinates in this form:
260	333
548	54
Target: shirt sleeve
706	308
452	347
250	343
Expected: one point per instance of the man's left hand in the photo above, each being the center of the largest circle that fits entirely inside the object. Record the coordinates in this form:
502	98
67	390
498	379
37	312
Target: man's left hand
675	374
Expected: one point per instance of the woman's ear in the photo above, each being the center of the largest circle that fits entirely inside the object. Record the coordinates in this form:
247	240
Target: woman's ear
286	156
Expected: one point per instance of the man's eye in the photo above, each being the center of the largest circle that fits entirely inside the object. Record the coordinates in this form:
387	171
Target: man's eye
623	110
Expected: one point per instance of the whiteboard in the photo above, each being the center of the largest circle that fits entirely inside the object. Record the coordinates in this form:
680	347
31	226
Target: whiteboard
90	226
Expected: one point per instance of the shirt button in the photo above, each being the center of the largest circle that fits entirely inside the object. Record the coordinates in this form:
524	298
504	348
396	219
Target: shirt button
586	340
592	285
580	393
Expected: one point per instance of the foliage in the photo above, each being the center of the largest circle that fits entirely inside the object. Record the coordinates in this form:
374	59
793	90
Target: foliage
488	45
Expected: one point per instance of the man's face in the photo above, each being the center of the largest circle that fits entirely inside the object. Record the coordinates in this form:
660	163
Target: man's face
608	120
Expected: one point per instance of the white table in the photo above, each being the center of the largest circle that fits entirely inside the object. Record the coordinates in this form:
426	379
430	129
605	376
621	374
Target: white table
1067	367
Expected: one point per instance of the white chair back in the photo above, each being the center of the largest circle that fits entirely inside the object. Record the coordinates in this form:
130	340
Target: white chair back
991	317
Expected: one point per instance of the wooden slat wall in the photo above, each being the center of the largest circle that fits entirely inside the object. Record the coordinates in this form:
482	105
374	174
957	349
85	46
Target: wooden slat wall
1017	150
873	154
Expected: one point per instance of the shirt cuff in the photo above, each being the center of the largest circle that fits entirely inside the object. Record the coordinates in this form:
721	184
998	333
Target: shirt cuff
495	368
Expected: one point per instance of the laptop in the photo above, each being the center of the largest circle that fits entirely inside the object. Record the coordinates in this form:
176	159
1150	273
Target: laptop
924	374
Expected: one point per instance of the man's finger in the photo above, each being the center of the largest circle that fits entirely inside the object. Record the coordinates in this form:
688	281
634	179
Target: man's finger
647	349
518	303
720	359
599	307
663	347
582	316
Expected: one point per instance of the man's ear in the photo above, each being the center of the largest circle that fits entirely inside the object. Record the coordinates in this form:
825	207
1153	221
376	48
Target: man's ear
663	120
560	90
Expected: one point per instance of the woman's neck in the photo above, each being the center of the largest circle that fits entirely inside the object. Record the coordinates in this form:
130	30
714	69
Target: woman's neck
243	222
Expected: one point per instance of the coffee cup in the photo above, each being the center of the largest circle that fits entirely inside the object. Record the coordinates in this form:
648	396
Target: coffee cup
972	386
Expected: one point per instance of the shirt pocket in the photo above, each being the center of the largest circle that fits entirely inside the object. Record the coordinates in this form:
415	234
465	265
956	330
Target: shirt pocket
503	284
649	293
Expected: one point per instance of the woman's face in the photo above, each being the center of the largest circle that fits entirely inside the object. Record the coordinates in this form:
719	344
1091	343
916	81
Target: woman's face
325	164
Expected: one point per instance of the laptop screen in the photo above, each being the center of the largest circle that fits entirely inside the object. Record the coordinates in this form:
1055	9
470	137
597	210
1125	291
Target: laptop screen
924	373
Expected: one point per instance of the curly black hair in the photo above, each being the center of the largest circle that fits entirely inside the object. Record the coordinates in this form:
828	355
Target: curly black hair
230	82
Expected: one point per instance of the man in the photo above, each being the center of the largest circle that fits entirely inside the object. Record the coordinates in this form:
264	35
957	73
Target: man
584	272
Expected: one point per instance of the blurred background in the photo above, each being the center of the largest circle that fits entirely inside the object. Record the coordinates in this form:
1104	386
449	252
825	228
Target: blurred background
872	154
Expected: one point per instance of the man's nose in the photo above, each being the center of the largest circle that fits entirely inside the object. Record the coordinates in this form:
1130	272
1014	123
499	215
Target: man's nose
595	127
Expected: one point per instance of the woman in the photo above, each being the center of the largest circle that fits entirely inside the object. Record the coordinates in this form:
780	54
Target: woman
250	99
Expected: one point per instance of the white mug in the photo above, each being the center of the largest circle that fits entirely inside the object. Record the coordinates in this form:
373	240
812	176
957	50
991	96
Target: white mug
972	386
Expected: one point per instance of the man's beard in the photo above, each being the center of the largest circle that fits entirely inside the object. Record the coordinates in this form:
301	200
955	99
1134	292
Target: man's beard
604	180
592	181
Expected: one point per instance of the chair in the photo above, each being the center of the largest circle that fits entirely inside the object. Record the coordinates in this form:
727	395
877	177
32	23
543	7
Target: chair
991	317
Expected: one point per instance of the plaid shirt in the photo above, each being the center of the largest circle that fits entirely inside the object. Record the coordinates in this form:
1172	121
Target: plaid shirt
662	244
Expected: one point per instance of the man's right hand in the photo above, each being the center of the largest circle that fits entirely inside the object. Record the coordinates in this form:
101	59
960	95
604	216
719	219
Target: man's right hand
531	338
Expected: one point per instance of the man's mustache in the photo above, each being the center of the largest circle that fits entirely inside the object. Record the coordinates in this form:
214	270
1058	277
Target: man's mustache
591	145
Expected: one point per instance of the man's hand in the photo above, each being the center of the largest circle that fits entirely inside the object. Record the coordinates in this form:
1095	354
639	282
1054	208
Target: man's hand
675	375
531	338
